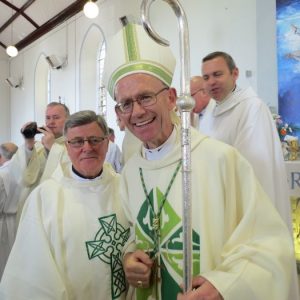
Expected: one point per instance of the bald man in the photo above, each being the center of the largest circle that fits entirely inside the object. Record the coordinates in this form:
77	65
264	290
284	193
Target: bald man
8	203
7	150
202	100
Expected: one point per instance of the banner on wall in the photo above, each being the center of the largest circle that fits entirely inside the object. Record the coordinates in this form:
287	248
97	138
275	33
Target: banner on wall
288	58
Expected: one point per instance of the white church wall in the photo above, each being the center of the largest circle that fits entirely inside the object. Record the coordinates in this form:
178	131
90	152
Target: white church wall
21	99
214	25
4	102
267	79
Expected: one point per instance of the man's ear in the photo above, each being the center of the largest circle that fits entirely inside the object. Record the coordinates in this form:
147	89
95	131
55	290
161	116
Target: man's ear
172	97
235	73
107	144
174	91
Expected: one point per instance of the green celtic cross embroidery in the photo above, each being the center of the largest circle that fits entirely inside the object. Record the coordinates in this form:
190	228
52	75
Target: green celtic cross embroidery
107	246
169	249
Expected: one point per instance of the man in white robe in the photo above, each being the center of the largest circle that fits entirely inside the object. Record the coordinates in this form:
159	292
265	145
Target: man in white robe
8	203
72	228
35	161
7	151
114	155
239	118
238	252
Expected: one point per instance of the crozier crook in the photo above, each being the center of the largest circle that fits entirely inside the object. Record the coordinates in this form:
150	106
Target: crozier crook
185	104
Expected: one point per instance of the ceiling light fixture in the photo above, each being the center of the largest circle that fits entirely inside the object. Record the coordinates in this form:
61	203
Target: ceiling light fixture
91	9
11	50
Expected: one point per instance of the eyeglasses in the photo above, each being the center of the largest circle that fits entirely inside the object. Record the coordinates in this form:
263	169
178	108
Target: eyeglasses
197	91
126	106
92	140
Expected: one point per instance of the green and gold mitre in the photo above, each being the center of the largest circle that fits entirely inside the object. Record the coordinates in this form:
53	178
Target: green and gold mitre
132	51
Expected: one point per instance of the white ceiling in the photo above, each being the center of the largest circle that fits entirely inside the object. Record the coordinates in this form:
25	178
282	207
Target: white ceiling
31	17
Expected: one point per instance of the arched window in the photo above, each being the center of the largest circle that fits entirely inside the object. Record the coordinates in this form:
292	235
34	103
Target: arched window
101	90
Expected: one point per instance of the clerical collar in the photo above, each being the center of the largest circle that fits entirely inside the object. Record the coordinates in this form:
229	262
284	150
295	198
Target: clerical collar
76	175
162	150
235	89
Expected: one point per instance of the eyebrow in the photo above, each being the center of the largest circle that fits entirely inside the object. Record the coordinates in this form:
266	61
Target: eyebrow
56	115
138	95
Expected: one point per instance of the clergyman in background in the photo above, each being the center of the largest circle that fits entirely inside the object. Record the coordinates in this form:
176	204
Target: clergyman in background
113	155
203	102
9	199
241	119
35	161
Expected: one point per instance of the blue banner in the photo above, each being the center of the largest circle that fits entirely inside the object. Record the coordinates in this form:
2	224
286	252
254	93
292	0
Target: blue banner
288	57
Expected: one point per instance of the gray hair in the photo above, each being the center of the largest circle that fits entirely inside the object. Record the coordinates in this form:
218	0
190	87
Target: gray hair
7	150
85	117
65	107
228	59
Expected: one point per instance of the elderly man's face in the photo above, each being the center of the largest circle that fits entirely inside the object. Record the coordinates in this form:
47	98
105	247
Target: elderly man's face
87	160
199	94
151	124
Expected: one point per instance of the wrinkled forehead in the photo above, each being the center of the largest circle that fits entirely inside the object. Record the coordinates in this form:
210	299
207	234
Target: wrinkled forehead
85	130
135	84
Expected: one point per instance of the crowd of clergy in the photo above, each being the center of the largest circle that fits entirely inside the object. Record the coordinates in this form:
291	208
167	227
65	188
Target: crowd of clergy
82	219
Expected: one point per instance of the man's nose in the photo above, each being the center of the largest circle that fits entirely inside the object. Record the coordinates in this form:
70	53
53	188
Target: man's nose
137	108
211	80
87	145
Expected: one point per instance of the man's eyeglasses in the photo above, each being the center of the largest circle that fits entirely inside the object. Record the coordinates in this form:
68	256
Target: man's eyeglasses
92	140
126	106
197	91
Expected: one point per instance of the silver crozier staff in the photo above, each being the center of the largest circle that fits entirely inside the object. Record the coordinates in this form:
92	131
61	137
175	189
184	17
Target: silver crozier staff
185	103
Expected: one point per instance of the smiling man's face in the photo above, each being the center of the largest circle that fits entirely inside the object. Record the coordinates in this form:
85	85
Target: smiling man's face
87	160
152	124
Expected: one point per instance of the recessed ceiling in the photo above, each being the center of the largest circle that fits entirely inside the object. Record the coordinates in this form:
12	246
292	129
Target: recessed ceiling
24	21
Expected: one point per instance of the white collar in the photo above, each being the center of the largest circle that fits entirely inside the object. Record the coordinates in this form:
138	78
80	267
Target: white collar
79	178
162	150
